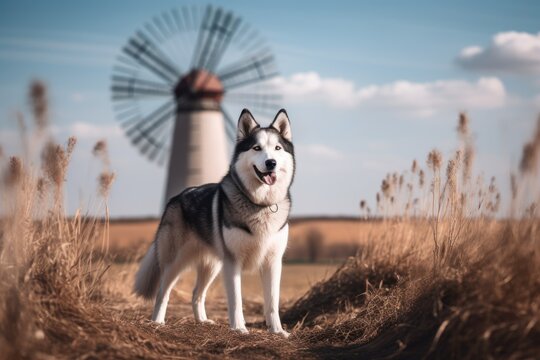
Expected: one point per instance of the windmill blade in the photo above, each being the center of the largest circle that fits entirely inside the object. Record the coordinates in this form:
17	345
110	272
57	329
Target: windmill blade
230	125
267	109
248	63
260	76
221	33
146	122
129	87
242	33
247	41
211	31
148	65
225	39
181	26
121	92
165	31
124	70
119	79
195	17
163	156
162	144
178	22
126	65
154	33
266	104
217	29
167	17
131	111
160	56
145	52
205	24
248	71
122	105
187	18
127	115
151	131
152	144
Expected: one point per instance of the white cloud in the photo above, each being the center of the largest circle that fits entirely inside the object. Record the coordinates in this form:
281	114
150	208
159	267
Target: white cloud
420	98
485	93
510	52
311	87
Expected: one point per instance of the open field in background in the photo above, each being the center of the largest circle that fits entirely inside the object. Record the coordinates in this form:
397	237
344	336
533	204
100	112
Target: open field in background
310	239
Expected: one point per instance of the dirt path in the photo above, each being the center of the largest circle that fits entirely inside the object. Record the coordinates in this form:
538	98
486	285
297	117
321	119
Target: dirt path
132	335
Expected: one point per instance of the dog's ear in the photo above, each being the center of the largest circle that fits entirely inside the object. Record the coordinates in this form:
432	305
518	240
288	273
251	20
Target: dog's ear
281	123
246	125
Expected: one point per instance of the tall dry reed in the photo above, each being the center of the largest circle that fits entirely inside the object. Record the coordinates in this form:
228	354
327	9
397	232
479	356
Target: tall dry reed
450	275
47	261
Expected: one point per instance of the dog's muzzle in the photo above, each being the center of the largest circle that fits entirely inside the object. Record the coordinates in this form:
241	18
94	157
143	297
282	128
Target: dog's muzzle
269	178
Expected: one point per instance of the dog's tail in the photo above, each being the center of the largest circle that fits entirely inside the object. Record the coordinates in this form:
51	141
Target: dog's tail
147	278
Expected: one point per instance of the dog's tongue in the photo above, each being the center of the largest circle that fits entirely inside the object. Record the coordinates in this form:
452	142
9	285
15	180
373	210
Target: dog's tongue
269	178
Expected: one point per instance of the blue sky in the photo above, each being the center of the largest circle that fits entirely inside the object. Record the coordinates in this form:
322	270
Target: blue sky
369	87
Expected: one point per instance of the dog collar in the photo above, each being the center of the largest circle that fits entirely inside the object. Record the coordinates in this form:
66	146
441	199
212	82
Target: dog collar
238	183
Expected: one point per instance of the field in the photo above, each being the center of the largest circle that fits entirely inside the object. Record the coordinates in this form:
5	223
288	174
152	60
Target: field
311	239
439	271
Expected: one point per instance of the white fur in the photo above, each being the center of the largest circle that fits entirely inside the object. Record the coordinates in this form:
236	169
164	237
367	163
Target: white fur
260	192
262	251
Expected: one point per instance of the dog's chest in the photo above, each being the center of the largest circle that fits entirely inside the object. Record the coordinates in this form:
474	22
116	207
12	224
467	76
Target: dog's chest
267	232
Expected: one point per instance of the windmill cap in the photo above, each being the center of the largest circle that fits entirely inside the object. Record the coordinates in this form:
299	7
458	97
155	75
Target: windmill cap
198	85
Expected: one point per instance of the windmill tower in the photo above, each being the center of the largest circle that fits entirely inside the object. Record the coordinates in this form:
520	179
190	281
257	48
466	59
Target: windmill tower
169	89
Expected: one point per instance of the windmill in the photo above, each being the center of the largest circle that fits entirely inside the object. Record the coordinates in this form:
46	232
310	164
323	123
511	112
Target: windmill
171	83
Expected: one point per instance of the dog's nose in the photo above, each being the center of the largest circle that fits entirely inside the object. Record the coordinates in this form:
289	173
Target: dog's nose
270	164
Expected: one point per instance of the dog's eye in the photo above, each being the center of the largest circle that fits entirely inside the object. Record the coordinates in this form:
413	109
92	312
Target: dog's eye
278	147
257	148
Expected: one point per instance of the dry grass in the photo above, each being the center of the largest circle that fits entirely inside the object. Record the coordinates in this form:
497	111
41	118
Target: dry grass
440	276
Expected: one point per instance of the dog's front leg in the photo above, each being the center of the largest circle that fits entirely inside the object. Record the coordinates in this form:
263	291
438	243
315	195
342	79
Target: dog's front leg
271	278
233	284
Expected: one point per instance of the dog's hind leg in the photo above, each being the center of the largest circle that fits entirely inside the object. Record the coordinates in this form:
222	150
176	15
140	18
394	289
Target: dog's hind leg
173	263
206	273
168	280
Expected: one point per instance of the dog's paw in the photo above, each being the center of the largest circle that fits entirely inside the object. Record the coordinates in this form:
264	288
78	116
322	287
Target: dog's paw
241	330
207	321
281	333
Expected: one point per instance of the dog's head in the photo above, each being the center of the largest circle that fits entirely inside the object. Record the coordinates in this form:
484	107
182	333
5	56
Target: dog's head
264	157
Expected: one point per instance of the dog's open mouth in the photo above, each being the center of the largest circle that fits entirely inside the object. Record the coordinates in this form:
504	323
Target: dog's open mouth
268	178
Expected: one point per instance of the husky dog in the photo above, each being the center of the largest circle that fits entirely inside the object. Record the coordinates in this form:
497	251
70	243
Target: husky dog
239	223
